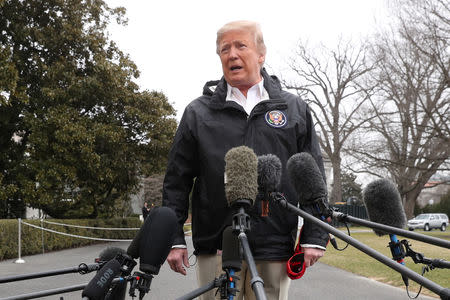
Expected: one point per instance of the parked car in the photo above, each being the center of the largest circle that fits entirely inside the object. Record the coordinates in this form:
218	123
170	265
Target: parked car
428	222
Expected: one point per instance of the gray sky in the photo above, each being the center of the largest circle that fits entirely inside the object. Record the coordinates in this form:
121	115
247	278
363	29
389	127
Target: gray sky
173	42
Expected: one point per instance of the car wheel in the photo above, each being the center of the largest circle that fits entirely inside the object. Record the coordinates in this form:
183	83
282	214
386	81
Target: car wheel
443	227
411	229
426	227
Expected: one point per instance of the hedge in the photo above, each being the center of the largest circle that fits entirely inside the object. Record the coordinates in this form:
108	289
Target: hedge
32	237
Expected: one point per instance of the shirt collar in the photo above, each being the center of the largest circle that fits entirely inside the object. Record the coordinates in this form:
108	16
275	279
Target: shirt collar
233	93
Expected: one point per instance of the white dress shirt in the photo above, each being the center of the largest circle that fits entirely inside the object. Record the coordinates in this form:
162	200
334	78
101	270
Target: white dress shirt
255	94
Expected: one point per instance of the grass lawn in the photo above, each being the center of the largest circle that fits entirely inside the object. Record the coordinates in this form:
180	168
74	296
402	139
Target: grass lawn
357	262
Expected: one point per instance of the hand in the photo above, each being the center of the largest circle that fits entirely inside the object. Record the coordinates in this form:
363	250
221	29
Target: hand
176	258
312	255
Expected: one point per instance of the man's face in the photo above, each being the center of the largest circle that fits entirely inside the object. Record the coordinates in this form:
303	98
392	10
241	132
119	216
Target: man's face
241	60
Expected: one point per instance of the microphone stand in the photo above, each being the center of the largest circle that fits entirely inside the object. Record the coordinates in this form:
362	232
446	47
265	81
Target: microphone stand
221	282
444	293
418	258
141	282
389	229
241	224
47	292
82	269
56	291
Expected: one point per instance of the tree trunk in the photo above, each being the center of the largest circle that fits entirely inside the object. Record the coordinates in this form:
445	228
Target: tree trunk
336	191
410	202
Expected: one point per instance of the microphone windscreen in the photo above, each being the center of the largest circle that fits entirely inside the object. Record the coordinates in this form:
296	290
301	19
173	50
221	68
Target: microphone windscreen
384	204
306	177
156	239
133	248
231	254
241	174
110	252
120	288
269	172
100	284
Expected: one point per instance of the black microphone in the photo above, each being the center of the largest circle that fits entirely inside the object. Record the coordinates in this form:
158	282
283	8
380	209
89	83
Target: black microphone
101	285
269	177
231	253
109	253
97	288
231	256
119	289
133	248
315	193
384	205
152	244
156	239
309	183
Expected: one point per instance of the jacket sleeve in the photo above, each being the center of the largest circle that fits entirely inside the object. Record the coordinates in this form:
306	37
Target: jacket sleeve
180	173
312	234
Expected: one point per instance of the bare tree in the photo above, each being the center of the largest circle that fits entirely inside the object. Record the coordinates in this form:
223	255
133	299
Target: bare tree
426	25
411	106
328	80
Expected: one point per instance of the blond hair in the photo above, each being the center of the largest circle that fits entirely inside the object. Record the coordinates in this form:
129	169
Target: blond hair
253	27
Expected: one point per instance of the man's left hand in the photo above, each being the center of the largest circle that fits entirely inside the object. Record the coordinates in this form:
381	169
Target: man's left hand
312	255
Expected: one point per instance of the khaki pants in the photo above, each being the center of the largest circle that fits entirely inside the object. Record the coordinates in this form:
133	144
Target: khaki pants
273	273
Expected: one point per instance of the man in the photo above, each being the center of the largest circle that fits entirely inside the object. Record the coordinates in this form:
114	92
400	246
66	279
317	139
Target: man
246	107
145	210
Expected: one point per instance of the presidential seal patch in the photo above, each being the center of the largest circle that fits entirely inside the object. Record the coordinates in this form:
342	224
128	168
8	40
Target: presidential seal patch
276	118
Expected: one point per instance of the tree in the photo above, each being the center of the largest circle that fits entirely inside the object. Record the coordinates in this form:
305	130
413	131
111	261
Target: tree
153	187
351	190
410	129
443	207
329	81
84	132
425	24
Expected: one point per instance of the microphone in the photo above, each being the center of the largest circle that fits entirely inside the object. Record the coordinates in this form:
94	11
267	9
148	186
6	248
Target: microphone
384	205
241	187
269	177
117	264
156	239
109	253
309	184
315	194
231	257
133	248
241	176
152	244
119	290
97	288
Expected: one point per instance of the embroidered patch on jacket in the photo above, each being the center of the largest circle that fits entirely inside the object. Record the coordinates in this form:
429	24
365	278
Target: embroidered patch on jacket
276	118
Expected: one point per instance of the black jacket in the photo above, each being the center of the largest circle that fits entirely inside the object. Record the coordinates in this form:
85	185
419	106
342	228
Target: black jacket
211	126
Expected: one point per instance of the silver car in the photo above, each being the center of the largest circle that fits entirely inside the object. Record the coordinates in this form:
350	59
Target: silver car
428	222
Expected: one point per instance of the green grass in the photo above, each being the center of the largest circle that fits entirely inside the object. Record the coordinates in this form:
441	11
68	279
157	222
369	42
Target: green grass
357	262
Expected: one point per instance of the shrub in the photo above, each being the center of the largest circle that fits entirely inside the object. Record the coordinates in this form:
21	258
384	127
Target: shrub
34	239
442	207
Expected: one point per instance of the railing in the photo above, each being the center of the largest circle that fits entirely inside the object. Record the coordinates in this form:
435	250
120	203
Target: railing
19	260
357	211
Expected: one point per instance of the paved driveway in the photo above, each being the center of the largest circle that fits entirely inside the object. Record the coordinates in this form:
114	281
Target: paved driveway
320	281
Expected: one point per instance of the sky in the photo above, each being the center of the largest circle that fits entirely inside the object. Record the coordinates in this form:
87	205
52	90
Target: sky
173	42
